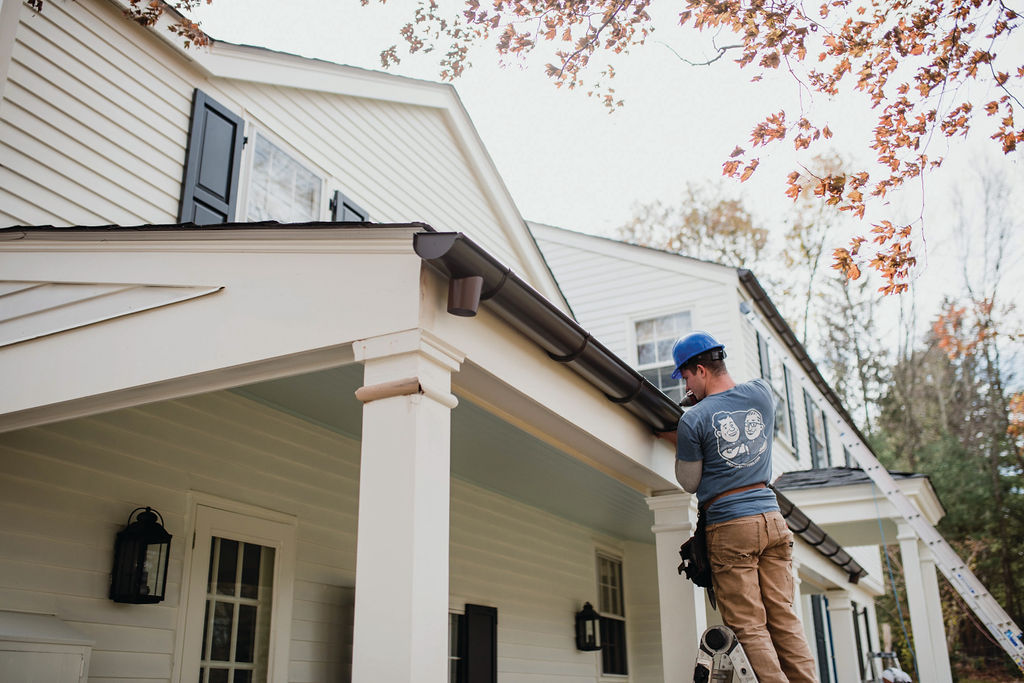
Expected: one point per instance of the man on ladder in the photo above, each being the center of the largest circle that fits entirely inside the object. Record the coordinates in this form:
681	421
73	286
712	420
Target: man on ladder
724	455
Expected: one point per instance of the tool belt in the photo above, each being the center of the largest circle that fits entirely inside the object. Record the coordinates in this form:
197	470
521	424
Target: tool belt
696	563
741	489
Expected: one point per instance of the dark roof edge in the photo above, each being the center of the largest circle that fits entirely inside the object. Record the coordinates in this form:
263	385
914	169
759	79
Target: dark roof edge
45	230
801	525
455	256
780	325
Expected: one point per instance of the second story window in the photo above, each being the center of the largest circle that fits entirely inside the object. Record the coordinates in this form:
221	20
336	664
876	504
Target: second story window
280	188
654	340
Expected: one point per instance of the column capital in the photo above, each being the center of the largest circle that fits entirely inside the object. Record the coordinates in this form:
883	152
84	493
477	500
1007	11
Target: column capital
409	341
839	601
676	511
407	363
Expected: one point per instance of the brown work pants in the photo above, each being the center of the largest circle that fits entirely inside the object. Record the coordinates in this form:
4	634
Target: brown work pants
752	570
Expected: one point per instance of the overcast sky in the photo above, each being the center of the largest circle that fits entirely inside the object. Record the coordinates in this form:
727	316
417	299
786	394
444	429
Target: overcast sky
570	163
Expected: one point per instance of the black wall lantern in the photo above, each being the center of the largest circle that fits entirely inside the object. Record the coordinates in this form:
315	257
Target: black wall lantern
141	554
588	629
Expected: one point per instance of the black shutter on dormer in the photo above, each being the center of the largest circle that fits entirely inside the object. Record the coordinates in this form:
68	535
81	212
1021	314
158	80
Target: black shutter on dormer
344	210
209	190
481	644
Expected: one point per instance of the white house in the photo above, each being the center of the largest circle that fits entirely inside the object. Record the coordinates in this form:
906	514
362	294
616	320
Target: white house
638	300
225	285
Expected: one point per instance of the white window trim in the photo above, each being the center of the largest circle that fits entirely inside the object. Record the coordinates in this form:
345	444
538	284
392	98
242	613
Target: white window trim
208	515
252	128
633	319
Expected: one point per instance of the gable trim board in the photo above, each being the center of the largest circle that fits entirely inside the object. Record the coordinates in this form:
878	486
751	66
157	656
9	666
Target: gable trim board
261	65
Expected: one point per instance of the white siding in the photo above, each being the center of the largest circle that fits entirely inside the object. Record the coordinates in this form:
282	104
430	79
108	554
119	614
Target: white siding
538	570
65	490
607	294
95	119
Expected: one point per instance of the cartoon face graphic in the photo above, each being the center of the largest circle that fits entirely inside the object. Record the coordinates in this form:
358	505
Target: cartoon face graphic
740	447
753	424
728	429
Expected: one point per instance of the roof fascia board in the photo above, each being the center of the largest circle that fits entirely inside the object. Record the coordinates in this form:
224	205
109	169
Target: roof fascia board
648	256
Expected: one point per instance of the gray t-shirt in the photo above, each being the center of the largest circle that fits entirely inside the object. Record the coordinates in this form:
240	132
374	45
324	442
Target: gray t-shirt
731	432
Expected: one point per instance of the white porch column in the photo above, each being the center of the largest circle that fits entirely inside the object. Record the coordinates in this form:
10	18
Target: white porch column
844	641
401	596
918	601
936	626
681	602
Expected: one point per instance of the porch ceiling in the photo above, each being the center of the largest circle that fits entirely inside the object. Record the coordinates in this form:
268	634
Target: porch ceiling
486	450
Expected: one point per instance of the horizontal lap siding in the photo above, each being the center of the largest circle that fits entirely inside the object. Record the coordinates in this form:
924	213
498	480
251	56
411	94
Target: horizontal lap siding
607	294
93	125
538	569
66	489
95	119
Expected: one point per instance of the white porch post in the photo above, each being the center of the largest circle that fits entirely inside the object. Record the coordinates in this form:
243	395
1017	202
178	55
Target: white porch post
844	641
936	626
401	597
917	601
681	603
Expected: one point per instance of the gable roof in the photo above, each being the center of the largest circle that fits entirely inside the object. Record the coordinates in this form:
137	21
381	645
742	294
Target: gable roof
261	65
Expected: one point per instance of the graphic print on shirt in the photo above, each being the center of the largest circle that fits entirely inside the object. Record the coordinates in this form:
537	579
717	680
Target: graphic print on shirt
740	447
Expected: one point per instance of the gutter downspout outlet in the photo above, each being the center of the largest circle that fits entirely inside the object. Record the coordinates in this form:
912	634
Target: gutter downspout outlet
464	295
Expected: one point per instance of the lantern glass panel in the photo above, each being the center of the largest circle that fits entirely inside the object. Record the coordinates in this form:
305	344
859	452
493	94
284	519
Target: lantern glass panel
153	569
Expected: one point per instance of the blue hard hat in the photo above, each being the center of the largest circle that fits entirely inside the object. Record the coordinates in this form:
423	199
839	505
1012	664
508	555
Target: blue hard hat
692	345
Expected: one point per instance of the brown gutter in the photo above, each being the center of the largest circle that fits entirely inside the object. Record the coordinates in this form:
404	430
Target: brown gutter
510	298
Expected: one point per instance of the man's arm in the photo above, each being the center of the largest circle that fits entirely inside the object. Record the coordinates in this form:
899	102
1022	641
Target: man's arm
688	474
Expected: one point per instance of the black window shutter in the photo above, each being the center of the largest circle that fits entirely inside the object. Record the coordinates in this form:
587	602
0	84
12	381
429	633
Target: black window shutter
344	210
481	644
828	446
762	356
809	409
792	413
209	190
817	609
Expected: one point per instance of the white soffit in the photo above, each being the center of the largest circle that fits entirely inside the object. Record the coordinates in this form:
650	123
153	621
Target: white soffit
30	310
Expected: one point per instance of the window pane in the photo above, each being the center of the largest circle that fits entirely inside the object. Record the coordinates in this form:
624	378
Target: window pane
242	677
645	331
220	648
665	349
219	675
245	643
250	571
646	354
280	188
227	566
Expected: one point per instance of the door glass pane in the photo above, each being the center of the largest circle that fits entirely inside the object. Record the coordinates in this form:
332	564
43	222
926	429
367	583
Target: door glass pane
236	635
226	567
220	647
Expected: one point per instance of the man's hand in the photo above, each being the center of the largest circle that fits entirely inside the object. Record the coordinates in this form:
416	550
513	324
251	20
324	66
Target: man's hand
669	436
